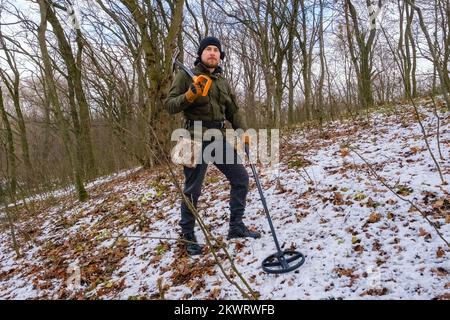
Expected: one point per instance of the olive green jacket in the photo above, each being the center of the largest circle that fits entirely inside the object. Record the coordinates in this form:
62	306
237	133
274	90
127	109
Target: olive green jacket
219	105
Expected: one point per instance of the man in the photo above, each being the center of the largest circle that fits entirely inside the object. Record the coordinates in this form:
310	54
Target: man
219	105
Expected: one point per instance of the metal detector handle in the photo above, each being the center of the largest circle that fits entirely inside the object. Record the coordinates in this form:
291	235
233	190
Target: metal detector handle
202	79
205	82
261	194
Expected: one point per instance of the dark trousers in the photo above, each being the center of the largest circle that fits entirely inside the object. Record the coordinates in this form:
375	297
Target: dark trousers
234	172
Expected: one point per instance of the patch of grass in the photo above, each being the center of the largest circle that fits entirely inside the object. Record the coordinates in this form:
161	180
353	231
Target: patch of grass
359	196
212	180
298	163
162	248
159	187
404	190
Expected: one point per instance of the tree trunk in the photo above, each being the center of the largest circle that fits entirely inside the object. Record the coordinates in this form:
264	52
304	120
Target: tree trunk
440	68
320	103
83	134
13	89
54	100
362	58
290	70
306	62
11	155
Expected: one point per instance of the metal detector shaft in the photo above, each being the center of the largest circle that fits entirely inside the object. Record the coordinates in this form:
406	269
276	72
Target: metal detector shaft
182	66
263	200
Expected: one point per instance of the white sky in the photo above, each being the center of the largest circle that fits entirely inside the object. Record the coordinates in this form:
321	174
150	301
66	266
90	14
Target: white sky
29	8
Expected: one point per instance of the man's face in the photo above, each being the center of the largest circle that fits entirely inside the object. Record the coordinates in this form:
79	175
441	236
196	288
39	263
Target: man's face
211	56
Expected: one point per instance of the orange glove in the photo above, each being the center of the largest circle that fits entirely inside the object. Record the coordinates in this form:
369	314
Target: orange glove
194	91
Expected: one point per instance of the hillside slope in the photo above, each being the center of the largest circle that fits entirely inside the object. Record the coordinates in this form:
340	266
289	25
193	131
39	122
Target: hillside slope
360	240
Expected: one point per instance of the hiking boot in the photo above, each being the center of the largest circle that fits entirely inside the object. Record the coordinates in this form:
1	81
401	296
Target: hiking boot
192	247
239	230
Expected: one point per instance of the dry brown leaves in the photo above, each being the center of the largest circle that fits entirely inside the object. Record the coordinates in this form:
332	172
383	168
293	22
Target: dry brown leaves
374	217
186	270
347	272
375	292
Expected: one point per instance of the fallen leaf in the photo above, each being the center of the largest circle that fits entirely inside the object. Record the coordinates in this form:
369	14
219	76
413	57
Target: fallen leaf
445	296
422	232
344	152
372	204
414	150
438	203
338	198
391	201
376	246
440	252
215	293
441	272
342	272
239	246
374	217
375	292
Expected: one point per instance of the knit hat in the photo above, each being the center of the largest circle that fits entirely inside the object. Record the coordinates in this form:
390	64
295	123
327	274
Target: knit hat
210	41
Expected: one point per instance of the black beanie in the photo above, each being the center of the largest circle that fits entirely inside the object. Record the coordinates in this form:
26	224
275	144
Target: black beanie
210	41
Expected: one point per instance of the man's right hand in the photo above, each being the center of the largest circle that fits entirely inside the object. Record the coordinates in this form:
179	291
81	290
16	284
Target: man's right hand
194	91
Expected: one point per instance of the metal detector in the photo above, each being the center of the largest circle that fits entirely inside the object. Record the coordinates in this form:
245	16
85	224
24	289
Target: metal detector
281	261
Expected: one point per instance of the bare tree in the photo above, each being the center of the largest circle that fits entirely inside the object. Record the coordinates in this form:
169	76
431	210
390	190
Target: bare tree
361	43
12	83
74	155
152	41
79	106
440	56
10	150
407	48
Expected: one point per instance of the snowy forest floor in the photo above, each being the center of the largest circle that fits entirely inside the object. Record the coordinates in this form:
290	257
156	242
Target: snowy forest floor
361	241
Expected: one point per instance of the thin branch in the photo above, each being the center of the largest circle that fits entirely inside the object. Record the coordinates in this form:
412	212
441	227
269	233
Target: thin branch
382	181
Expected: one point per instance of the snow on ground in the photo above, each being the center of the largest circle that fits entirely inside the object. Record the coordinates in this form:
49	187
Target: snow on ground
359	239
71	189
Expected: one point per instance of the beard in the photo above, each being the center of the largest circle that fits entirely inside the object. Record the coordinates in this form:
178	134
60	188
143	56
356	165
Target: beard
211	63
